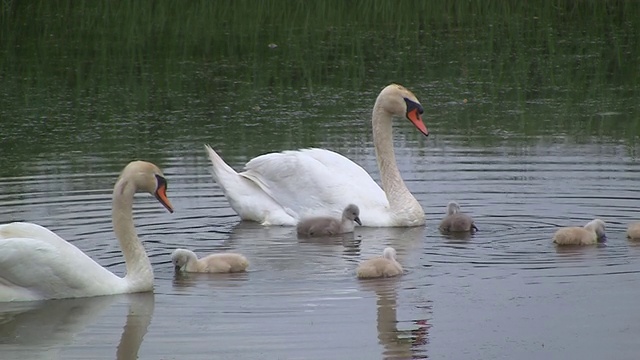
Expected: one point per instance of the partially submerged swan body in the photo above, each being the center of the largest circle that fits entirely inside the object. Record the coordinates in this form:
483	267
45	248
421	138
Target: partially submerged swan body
592	233
380	267
282	188
187	261
326	226
633	231
455	221
36	264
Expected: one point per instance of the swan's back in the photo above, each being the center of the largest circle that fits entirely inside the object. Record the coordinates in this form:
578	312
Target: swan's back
379	267
47	267
31	231
633	231
326	225
319	226
590	234
223	263
312	181
457	222
574	236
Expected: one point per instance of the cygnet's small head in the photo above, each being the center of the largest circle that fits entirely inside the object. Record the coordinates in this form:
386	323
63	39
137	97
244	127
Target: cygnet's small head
397	100
389	253
453	208
598	226
180	258
352	212
146	177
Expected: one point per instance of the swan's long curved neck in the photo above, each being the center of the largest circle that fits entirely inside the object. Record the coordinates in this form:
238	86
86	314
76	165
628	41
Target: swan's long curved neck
397	192
136	260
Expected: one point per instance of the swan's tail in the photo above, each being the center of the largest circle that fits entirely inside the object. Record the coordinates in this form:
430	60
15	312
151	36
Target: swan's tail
220	170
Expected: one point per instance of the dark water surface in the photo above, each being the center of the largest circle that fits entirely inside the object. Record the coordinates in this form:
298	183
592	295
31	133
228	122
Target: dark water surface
522	145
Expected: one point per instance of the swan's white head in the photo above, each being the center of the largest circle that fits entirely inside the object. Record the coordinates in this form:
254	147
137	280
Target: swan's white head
453	208
389	253
146	177
397	100
180	258
597	226
352	212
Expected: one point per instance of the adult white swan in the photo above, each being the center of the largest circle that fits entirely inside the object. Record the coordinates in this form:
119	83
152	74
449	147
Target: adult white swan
281	188
36	264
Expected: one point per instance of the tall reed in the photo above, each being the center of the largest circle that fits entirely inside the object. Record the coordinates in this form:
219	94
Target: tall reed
170	54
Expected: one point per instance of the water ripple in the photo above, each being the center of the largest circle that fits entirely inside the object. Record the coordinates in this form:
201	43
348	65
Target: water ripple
518	200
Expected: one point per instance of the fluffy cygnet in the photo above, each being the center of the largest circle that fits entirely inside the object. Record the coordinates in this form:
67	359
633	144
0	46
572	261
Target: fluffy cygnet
187	261
633	231
384	266
323	226
590	234
455	221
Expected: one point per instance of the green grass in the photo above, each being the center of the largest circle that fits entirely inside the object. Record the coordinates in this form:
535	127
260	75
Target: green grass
81	41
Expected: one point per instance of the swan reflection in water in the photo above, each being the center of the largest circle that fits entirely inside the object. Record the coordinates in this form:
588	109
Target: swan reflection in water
184	281
406	240
278	248
248	233
397	343
44	329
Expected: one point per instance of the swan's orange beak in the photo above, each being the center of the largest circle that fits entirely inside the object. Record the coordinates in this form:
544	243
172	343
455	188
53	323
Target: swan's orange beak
161	193
414	116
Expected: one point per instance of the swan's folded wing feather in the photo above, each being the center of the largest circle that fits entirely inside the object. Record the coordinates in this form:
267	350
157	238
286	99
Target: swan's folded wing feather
339	163
31	231
47	270
311	180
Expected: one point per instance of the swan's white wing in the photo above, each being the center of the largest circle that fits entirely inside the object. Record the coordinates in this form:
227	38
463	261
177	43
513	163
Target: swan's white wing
34	269
314	181
29	230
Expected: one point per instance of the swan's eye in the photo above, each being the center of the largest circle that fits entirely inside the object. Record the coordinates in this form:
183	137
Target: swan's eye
412	105
162	182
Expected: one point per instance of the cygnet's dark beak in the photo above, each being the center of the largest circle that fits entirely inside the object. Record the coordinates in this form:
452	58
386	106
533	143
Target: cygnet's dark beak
474	227
602	238
357	219
176	268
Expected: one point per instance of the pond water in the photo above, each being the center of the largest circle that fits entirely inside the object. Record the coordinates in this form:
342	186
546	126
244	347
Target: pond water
524	154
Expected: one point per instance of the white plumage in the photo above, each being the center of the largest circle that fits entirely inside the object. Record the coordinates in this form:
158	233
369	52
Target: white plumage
281	188
36	264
